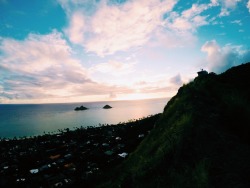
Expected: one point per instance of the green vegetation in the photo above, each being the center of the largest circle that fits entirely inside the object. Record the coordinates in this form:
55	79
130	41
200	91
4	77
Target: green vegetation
201	139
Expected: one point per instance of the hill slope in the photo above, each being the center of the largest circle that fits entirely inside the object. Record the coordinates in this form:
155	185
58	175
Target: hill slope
201	139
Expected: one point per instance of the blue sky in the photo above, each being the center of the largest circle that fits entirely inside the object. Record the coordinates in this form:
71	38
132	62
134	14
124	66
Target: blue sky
96	50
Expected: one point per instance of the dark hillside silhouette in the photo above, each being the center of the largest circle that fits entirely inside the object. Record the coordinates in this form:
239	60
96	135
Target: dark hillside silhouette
201	139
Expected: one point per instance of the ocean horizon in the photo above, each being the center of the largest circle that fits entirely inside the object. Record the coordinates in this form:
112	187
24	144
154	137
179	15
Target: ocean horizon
25	120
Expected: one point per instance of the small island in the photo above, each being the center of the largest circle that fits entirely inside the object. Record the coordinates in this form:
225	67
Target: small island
81	108
107	107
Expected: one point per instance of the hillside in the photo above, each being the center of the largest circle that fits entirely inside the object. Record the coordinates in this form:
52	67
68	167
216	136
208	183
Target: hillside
201	139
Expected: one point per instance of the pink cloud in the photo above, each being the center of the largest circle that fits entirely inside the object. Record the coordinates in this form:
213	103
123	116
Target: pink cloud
76	29
118	28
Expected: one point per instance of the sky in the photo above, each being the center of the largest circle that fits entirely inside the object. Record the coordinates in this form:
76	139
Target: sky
57	51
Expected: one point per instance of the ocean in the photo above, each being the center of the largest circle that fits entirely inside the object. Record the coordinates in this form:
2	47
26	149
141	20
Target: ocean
19	120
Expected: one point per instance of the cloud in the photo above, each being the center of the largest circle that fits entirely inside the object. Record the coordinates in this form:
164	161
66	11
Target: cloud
111	27
168	90
187	22
227	6
39	66
248	5
180	28
161	85
106	27
42	55
224	12
43	67
176	80
156	85
114	68
195	10
214	2
76	29
230	3
238	22
220	58
87	6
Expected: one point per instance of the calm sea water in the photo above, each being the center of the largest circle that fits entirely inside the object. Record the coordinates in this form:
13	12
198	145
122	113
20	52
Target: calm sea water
35	119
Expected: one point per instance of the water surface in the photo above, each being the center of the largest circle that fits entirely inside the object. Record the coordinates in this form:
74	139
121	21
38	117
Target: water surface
36	119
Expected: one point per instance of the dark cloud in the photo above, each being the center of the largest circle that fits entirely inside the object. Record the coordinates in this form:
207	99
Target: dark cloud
176	80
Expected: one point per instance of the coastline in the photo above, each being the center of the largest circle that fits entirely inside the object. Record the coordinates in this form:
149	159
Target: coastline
34	120
70	157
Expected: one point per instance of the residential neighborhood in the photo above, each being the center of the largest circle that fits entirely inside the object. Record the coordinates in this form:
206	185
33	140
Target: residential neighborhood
70	157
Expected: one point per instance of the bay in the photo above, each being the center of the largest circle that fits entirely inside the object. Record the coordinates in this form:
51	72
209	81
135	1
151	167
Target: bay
18	120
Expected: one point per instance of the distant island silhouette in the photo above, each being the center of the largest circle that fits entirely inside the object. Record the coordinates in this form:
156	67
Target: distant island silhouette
81	108
107	107
85	108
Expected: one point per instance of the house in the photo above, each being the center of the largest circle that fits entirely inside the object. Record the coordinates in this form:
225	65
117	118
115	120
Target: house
140	135
123	155
34	171
118	138
202	72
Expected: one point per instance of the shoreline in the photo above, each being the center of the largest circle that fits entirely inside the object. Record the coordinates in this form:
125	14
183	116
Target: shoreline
60	131
72	157
29	120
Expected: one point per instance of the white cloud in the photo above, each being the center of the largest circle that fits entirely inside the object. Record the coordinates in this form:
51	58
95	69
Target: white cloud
220	58
76	29
238	22
180	28
113	28
114	68
224	12
189	20
42	67
42	55
108	28
230	3
214	2
195	10
227	6
36	53
170	39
